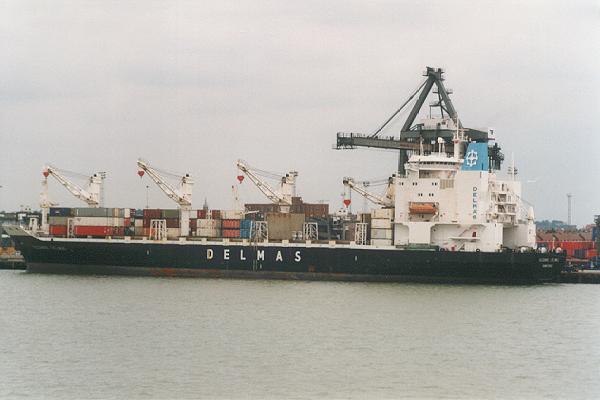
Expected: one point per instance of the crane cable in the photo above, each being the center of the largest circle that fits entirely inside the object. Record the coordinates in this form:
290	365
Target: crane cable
69	173
263	173
378	131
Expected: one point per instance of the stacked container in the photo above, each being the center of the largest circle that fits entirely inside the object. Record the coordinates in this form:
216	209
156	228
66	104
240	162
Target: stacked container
283	225
382	227
100	222
208	228
230	228
245	228
58	219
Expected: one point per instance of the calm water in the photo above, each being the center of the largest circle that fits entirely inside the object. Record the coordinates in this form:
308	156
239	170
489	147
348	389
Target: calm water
123	337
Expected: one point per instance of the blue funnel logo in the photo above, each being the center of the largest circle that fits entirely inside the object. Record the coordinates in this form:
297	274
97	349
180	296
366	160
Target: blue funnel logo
476	157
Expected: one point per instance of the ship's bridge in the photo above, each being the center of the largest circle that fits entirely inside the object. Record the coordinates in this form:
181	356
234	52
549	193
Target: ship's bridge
435	165
433	162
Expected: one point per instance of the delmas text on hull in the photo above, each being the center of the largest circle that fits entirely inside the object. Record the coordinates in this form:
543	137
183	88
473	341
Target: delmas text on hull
444	216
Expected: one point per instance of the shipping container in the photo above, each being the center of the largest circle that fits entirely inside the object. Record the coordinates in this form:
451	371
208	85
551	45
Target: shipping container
381	242
208	232
231	233
383	213
92	212
172	222
172	233
245	233
99	221
97	231
281	226
139	231
245	224
230	223
208	223
148	221
193	224
57	230
170	213
152	214
215	214
232	214
381	233
380	223
202	214
60	212
365	217
58	220
139	213
139	223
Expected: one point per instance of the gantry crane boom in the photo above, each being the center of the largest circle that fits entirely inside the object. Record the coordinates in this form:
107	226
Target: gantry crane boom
91	196
182	196
283	197
387	200
410	134
178	196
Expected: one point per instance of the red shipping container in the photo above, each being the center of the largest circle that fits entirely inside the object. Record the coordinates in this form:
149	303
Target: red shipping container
172	222
93	230
127	221
152	213
230	223
591	253
202	214
193	224
215	214
59	230
231	233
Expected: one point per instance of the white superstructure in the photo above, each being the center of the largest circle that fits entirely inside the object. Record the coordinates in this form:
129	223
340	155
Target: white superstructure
456	203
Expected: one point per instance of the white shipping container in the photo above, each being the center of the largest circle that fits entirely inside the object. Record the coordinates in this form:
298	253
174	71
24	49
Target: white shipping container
58	220
208	232
127	212
383	213
98	221
381	234
380	223
139	223
172	233
208	223
381	242
232	214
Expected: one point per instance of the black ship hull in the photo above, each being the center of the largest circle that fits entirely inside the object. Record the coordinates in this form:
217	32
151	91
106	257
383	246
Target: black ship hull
281	261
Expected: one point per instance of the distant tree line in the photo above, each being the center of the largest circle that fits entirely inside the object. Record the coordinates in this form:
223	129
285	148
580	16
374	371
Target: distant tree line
554	225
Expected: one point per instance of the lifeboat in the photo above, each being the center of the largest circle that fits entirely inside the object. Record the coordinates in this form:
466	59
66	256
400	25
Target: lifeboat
422	208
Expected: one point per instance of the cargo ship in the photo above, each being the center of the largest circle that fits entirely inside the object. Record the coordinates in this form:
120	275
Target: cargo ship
445	216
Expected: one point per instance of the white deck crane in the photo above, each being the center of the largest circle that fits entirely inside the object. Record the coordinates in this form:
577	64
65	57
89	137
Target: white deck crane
287	187
90	195
181	196
386	200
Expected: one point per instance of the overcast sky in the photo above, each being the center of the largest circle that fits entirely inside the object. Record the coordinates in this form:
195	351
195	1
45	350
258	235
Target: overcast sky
192	86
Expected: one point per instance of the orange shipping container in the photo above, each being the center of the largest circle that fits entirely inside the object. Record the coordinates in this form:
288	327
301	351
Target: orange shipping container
231	233
230	223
